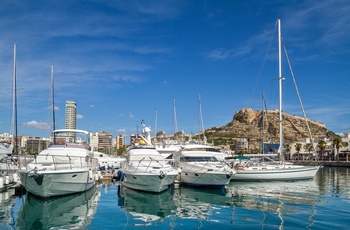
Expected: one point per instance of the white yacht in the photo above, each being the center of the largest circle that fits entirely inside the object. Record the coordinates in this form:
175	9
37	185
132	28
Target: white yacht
199	166
66	167
145	168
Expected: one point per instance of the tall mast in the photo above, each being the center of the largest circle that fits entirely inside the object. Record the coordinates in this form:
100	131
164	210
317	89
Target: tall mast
200	118
14	103
156	122
263	124
175	119
52	100
280	77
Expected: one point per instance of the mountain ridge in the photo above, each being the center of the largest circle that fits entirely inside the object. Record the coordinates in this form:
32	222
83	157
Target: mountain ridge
248	123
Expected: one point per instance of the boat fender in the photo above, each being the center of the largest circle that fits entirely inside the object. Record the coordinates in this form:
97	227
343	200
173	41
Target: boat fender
90	174
231	172
1	183
179	171
7	180
16	177
120	175
162	174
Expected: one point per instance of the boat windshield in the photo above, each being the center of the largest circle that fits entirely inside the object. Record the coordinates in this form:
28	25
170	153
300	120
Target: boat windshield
198	159
143	159
202	149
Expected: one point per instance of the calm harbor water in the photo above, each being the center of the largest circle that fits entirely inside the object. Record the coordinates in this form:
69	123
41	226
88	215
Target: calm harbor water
321	203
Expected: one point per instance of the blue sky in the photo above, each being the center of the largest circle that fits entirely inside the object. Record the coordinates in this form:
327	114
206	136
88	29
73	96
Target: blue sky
126	61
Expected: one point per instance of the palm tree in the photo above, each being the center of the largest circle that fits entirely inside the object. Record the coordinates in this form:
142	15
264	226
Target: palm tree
322	146
337	143
288	148
298	148
309	147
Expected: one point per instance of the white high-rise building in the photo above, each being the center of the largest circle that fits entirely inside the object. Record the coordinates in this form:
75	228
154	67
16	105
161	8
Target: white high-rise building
71	115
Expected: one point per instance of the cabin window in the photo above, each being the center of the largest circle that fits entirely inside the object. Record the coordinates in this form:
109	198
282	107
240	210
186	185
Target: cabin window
198	159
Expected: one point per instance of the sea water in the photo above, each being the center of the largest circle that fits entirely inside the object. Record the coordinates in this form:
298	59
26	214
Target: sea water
321	203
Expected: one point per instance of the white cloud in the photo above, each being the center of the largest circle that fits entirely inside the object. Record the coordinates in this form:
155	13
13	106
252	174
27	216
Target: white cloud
79	116
56	107
150	50
38	125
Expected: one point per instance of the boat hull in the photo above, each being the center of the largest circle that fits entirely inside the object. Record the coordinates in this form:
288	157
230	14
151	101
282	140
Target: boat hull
215	180
56	183
299	173
148	182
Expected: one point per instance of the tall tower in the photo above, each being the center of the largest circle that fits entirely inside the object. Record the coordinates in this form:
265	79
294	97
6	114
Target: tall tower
71	115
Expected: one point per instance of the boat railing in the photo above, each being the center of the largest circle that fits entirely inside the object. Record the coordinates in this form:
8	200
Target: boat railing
148	164
58	162
205	165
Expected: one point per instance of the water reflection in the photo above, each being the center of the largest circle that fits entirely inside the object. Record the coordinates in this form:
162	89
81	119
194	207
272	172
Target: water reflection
64	212
334	181
266	205
267	202
6	205
183	202
146	207
277	199
199	203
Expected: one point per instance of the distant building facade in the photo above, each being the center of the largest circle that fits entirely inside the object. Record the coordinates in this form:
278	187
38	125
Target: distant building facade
102	141
34	145
120	143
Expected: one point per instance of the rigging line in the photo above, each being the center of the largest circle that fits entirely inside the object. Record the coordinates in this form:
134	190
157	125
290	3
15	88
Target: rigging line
267	118
263	64
296	88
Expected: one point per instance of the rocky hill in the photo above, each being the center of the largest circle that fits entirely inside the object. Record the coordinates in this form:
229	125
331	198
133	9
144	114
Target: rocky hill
248	123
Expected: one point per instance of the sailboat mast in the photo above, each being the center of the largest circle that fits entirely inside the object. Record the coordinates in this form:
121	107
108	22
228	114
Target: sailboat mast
263	124
175	119
156	122
53	123
200	119
14	103
280	77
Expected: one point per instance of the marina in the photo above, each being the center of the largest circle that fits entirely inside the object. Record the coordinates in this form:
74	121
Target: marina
319	203
81	161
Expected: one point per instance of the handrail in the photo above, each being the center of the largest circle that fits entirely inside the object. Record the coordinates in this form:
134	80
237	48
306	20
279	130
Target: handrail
60	162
